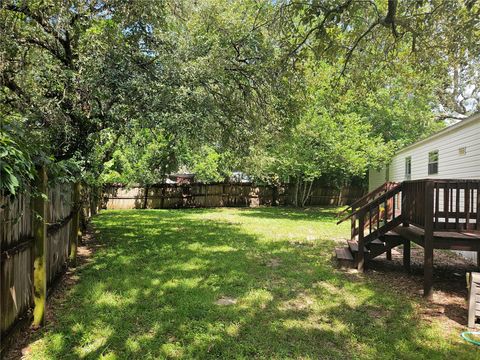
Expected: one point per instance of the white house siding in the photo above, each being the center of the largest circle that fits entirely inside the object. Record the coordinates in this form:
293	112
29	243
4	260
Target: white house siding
451	164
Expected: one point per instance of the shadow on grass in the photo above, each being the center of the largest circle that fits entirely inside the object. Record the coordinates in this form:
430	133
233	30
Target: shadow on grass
151	293
290	213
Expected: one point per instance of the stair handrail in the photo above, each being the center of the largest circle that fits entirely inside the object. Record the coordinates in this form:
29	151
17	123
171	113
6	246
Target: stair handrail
374	192
373	202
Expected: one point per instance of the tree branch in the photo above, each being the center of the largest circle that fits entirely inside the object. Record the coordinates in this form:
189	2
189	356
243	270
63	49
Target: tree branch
355	45
337	10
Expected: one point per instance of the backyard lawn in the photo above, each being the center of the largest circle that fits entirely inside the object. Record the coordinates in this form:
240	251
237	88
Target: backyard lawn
233	283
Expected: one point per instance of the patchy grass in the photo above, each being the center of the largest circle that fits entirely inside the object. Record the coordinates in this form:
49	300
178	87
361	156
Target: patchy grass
233	283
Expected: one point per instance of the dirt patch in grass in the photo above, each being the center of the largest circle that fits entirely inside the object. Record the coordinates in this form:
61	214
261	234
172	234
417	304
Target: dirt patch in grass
274	263
225	301
301	302
25	334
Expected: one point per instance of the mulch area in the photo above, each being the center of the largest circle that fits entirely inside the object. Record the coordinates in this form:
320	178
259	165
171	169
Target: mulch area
449	303
24	334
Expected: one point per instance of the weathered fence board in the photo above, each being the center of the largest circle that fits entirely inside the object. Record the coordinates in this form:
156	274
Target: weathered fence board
60	207
15	220
15	287
16	258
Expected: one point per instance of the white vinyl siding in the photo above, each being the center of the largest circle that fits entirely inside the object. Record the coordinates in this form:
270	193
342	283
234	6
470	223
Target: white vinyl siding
452	165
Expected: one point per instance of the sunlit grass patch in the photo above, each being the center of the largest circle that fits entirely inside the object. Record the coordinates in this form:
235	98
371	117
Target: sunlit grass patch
232	283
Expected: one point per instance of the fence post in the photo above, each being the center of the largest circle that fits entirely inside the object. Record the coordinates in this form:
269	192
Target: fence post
75	228
40	248
145	198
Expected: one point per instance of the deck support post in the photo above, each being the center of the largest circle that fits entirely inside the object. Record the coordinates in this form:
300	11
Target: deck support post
406	254
361	242
40	248
389	254
428	242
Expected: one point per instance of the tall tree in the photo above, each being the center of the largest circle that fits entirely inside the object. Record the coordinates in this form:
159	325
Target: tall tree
435	35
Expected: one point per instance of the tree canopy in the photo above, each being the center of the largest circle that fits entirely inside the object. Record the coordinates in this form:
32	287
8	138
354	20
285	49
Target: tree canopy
129	91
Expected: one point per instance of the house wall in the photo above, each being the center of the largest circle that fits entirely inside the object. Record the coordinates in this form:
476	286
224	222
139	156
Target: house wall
451	164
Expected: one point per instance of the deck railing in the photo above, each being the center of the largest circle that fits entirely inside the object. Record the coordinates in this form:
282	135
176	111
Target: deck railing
454	204
413	202
379	191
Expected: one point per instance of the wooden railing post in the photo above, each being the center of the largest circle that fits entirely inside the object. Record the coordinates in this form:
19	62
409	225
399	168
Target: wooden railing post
428	242
388	254
75	227
352	227
40	248
404	205
361	242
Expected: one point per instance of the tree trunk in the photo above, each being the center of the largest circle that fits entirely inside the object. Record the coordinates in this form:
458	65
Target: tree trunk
295	197
307	194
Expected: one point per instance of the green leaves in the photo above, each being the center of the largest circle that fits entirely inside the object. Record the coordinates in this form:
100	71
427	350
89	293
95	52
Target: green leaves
16	167
130	91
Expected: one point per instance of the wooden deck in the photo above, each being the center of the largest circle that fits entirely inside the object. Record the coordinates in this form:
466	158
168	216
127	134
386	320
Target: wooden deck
448	240
433	213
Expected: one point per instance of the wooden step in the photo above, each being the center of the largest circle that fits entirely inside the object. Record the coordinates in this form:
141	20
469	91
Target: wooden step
344	257
393	236
353	245
376	245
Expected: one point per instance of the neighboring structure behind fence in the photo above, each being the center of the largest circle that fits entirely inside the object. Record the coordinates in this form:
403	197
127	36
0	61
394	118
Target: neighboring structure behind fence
18	237
167	196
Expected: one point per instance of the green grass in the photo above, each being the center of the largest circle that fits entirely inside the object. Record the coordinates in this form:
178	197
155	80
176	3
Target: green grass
151	289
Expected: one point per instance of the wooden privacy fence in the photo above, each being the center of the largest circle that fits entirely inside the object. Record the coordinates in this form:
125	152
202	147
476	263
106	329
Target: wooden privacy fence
167	196
38	238
322	195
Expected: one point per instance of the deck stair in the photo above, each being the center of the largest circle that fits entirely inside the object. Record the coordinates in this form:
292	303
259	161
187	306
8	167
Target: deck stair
373	220
347	256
